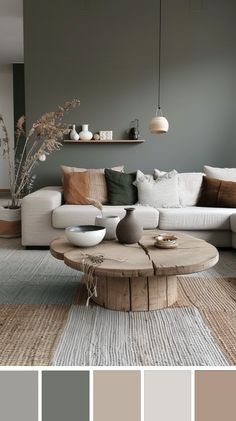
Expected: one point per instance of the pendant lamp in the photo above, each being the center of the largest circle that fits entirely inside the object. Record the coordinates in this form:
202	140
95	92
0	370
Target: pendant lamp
159	124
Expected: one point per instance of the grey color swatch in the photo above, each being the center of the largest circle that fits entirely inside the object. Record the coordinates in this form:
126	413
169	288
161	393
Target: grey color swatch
19	395
105	53
167	395
65	396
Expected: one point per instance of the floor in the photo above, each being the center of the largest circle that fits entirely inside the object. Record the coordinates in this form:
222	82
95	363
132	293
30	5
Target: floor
37	291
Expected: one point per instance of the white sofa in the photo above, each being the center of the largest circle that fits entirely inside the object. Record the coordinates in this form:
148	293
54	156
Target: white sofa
44	218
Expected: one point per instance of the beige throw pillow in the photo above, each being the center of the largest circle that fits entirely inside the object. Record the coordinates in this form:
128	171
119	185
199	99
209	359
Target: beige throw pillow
97	188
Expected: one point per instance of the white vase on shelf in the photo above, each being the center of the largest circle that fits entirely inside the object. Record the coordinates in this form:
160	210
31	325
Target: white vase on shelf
73	134
85	134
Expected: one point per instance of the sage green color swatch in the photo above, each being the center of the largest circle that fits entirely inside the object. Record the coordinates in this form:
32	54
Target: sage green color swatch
65	396
18	396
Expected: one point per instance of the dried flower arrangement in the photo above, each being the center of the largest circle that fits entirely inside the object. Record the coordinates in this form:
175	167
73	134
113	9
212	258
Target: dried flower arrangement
42	139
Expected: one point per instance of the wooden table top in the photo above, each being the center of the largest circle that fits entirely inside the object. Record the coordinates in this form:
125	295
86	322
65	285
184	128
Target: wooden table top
143	258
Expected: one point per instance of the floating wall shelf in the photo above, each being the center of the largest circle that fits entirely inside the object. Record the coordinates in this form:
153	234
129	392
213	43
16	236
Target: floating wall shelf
108	142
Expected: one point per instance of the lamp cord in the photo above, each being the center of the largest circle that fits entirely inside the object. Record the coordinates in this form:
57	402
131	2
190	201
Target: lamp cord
159	56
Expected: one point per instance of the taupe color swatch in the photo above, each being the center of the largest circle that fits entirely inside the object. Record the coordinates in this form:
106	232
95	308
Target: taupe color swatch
117	395
65	396
215	395
167	395
18	396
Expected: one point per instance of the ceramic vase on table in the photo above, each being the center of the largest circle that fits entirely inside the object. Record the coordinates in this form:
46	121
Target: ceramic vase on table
129	230
85	134
73	134
110	223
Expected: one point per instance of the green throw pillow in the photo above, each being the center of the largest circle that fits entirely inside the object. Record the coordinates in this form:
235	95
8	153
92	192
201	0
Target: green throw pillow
120	188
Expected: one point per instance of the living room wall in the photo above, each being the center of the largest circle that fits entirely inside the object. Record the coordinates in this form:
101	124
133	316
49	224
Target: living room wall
105	53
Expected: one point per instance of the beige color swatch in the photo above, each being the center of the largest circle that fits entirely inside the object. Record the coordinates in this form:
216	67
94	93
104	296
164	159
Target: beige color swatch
167	395
215	395
117	395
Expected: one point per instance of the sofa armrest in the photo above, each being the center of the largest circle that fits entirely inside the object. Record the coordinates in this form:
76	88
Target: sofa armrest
36	217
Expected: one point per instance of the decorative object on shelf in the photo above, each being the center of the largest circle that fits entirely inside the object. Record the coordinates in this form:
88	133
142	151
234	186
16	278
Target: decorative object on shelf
159	124
73	134
43	157
85	134
110	223
134	131
129	230
96	136
85	235
43	138
106	135
166	241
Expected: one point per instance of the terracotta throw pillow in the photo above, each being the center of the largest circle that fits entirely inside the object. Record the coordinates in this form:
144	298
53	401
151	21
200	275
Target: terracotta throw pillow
77	189
217	193
97	182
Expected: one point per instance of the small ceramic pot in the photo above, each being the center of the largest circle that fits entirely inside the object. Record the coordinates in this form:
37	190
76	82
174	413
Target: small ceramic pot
110	223
129	230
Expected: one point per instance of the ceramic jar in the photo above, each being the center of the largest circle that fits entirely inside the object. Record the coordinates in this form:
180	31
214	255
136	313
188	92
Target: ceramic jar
85	134
73	134
110	223
129	230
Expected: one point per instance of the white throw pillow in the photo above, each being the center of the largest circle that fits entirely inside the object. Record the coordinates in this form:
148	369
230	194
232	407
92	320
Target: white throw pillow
227	174
189	186
160	193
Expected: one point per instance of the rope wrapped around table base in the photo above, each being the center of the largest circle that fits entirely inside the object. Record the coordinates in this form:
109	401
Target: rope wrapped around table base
89	264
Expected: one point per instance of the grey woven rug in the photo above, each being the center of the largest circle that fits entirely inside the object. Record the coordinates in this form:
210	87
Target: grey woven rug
175	337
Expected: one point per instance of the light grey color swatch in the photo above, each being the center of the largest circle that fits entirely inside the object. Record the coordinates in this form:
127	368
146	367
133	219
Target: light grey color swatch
106	54
65	396
18	396
167	395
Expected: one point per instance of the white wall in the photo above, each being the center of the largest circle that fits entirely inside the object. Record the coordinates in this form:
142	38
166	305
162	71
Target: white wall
6	109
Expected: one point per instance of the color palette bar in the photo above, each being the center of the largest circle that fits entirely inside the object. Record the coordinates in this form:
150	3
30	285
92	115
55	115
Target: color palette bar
117	395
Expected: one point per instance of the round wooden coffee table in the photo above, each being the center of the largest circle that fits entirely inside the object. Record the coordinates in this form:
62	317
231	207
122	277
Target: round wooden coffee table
139	277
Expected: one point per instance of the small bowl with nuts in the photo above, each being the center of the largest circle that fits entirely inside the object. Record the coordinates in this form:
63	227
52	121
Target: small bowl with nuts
166	241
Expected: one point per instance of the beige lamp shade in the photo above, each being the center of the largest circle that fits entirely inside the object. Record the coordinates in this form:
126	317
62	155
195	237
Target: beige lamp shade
159	124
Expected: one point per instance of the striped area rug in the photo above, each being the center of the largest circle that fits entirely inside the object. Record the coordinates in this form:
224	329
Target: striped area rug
174	336
41	301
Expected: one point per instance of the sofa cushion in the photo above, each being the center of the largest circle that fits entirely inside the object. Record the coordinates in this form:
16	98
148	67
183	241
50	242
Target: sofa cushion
233	222
227	174
218	193
189	186
120	188
67	215
161	192
97	188
195	218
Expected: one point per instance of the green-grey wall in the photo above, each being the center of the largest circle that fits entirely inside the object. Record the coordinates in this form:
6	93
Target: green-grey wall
105	53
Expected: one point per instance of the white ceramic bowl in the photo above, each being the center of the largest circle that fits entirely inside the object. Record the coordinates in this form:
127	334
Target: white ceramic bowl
85	235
